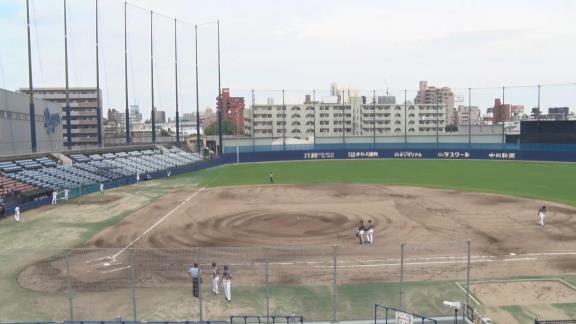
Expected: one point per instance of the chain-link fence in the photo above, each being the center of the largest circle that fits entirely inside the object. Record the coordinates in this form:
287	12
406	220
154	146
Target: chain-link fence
307	119
319	282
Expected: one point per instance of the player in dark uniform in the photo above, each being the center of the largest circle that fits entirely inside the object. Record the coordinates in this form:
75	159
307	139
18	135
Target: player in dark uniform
360	232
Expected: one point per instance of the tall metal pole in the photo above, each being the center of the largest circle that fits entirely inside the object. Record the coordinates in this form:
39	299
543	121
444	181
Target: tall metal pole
374	117
468	274
342	106
32	110
98	97
402	276
405	117
70	292
237	135
197	94
128	135
469	116
334	285
220	112
283	121
314	112
253	122
437	119
538	102
503	122
67	106
176	80
153	117
133	283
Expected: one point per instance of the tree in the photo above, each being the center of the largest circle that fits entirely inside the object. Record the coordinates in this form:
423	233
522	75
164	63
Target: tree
228	128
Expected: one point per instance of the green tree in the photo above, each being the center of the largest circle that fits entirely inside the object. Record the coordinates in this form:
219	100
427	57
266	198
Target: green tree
228	128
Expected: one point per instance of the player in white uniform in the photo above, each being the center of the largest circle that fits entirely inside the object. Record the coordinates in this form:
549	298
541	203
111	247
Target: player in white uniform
54	197
541	215
137	177
101	191
227	282
215	279
66	192
370	232
17	214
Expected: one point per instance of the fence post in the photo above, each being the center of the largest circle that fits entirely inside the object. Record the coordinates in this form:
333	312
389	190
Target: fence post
132	282
69	279
467	280
199	284
266	277
402	276
334	293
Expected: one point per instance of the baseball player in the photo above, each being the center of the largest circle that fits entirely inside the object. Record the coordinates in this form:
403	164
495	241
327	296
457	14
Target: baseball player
169	173
227	281
17	214
541	215
215	279
66	192
361	231
370	232
101	191
195	273
271	178
54	197
137	177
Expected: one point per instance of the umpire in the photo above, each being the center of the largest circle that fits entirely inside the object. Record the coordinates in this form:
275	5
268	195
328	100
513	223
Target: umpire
195	273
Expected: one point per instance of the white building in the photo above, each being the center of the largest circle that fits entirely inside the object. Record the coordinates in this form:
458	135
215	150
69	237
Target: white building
354	118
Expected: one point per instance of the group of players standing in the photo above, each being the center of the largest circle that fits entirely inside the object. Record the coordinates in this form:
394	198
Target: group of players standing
365	232
226	280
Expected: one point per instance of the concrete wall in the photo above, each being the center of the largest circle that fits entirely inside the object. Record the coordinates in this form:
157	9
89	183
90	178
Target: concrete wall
15	124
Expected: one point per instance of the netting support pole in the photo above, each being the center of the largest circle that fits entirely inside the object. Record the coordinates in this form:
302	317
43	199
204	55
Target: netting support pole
70	293
267	277
132	283
199	286
334	301
468	266
402	245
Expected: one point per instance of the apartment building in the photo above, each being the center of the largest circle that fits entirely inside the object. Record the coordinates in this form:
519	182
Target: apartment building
354	118
85	112
444	96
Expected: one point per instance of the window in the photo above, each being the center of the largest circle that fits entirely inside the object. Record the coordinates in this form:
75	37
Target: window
397	115
397	130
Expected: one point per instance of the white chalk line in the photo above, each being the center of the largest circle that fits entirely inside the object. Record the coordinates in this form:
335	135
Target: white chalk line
117	269
157	223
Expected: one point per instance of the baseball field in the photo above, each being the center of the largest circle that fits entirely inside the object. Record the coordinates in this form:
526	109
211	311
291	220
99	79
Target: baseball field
291	244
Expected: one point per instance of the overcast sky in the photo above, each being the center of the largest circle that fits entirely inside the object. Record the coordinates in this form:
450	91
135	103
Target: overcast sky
298	45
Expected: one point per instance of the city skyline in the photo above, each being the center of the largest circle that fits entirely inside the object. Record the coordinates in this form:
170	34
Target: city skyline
535	43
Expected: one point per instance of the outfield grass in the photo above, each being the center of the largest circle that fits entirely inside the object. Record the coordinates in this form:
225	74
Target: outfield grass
547	181
47	230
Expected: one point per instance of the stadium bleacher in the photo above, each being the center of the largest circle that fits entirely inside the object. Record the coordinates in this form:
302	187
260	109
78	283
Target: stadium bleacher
45	173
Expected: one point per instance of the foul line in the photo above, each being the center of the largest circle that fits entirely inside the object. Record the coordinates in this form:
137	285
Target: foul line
158	222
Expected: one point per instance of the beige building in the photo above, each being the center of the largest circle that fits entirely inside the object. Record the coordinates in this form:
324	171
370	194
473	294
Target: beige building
85	112
468	115
332	120
444	96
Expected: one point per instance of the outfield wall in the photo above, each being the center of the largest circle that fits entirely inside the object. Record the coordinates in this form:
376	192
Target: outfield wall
557	153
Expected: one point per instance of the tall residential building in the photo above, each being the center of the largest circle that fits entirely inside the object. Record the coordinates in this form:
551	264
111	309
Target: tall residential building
501	112
160	116
356	118
516	112
468	115
85	112
444	96
232	108
135	115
